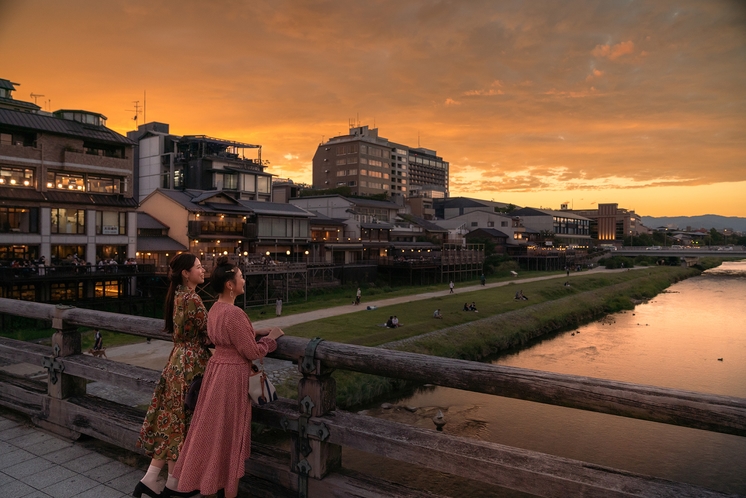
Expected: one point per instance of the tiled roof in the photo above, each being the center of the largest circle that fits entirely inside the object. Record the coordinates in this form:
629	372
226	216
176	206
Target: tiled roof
21	194
459	202
275	208
162	243
59	126
54	196
489	231
144	220
372	203
87	198
379	226
186	199
427	225
527	211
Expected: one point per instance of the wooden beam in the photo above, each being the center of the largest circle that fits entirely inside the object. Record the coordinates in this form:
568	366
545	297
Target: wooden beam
112	372
710	412
505	466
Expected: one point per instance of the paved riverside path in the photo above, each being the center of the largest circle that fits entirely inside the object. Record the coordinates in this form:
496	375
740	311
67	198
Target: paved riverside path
309	316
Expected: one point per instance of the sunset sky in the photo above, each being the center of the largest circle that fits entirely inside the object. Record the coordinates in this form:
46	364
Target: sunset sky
642	103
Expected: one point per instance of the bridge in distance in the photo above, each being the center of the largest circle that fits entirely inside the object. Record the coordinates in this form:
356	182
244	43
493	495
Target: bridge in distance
684	252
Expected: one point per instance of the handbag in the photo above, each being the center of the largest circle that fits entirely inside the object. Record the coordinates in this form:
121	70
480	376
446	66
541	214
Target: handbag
190	400
261	390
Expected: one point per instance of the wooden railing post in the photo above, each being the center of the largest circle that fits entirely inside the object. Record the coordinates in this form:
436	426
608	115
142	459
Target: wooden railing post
65	342
317	392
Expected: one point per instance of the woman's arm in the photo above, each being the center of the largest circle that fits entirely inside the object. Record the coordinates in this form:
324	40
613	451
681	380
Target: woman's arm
195	319
241	334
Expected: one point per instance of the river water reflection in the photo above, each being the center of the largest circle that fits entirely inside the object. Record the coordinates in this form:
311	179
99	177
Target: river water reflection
675	340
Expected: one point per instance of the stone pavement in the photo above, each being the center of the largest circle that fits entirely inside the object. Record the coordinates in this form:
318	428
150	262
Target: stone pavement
36	464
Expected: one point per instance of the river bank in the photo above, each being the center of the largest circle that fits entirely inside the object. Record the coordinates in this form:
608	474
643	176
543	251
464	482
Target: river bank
486	337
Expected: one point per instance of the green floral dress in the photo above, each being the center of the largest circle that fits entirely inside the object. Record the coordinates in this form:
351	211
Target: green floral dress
166	423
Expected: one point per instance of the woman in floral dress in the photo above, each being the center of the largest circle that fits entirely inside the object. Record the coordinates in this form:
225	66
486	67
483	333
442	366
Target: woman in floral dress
219	442
166	422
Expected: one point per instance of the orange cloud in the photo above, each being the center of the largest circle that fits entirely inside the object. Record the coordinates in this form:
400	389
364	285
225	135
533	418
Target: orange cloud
614	52
594	74
450	101
494	89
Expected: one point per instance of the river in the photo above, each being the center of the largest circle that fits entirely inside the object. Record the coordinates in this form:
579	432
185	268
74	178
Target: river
690	337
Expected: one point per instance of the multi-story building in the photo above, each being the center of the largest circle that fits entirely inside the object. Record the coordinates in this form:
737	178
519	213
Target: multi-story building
198	162
567	229
66	185
367	225
371	165
484	218
213	222
610	223
458	206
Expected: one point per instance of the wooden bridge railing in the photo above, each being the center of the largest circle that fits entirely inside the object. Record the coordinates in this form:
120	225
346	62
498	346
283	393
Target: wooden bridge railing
319	430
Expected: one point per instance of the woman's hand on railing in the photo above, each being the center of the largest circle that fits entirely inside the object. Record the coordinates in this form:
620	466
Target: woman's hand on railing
271	332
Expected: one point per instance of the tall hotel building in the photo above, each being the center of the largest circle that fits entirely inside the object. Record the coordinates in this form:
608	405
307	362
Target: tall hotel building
370	165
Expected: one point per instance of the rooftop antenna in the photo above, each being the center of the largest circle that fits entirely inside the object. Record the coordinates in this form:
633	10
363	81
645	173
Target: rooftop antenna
36	96
144	106
137	109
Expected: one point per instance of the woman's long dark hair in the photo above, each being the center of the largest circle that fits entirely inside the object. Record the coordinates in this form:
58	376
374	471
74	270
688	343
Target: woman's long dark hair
224	271
179	263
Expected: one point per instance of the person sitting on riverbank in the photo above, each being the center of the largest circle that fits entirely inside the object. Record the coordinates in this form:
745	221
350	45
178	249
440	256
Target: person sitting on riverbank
520	297
436	314
390	322
473	307
466	307
395	322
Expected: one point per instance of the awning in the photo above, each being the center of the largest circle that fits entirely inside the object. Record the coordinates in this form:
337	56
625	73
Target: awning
156	244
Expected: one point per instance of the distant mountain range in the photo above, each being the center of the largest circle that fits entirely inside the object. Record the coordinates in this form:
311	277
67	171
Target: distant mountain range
695	222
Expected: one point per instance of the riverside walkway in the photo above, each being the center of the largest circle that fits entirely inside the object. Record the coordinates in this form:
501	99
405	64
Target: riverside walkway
309	316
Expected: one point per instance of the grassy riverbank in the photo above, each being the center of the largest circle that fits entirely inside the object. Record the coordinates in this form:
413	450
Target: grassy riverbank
552	307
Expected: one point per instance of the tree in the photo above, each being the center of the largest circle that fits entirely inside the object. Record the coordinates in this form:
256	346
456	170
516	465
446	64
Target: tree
507	209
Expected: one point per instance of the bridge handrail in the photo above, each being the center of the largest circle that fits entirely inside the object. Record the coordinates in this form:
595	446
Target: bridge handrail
711	412
493	463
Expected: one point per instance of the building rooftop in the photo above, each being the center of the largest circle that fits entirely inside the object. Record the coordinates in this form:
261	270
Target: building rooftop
195	200
50	124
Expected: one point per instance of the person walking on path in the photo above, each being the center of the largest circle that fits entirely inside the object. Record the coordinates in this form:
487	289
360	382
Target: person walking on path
98	343
166	422
219	441
278	307
358	296
483	279
450	286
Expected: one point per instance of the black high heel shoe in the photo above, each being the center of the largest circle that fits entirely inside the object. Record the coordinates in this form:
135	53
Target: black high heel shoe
167	492
142	489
